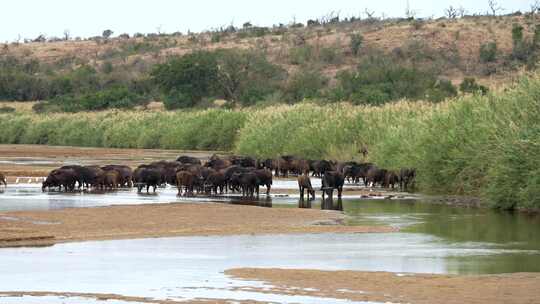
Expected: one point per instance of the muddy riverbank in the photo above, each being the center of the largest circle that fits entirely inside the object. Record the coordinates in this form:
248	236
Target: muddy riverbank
147	221
398	288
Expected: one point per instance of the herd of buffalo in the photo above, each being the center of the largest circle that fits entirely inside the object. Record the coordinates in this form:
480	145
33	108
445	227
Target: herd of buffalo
220	175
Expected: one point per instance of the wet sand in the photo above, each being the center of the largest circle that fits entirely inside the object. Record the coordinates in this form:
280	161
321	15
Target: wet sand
108	297
398	288
36	228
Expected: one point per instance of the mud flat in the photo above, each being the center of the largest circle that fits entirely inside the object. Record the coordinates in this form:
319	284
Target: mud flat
398	287
146	221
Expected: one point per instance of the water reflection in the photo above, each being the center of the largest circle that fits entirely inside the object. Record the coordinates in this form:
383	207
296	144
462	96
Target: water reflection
246	201
329	204
304	204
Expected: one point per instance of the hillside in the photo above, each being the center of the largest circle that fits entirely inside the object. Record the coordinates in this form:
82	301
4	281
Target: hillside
447	48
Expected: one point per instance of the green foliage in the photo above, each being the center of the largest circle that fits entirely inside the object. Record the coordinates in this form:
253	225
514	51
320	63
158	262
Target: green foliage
187	79
356	43
520	48
176	99
118	97
330	55
482	145
5	109
469	85
441	90
485	146
305	84
300	55
202	130
107	67
246	76
380	79
488	52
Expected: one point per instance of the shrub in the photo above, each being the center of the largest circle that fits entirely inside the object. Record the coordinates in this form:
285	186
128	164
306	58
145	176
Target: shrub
356	43
117	97
380	79
190	77
177	100
488	52
329	55
6	109
304	84
300	55
469	85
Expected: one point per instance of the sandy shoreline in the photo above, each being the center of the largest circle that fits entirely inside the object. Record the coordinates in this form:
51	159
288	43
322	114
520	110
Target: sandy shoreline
403	288
24	228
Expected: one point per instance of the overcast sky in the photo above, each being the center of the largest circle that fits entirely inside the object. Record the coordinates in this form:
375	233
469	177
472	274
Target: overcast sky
29	18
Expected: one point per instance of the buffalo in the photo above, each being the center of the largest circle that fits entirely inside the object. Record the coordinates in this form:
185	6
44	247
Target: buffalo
147	176
61	178
376	176
185	180
3	180
112	179
125	174
332	180
247	181
391	178
304	182
407	178
319	167
265	179
216	180
188	160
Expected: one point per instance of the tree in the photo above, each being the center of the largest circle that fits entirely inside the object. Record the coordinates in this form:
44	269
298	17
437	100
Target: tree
186	80
305	84
461	11
494	7
451	12
107	33
246	76
369	13
67	35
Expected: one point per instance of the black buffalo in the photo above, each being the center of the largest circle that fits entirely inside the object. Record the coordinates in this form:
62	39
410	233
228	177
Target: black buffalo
332	180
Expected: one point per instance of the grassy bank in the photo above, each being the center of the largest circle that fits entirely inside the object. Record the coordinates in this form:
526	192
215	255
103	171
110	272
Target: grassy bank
204	130
487	146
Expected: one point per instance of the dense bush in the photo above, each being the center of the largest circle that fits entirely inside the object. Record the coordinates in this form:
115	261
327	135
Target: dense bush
246	76
304	84
380	79
482	145
118	97
236	75
469	85
488	52
186	80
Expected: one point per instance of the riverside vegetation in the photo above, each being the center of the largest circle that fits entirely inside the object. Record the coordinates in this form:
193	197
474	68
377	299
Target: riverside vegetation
483	145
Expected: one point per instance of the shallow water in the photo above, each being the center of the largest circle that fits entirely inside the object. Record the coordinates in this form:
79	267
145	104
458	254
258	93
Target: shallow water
433	239
18	197
192	267
57	300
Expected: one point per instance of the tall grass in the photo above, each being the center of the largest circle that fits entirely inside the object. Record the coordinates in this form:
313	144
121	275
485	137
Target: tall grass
488	146
202	130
